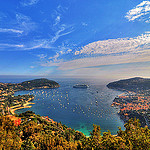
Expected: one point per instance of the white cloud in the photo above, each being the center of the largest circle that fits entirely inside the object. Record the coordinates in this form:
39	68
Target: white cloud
143	3
32	67
99	61
10	46
42	56
28	46
25	23
57	20
42	43
54	59
64	30
49	43
10	30
84	24
116	46
140	12
34	47
57	15
77	52
69	50
29	2
107	52
128	70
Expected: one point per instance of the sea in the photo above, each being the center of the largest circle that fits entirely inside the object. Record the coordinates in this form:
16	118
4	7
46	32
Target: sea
75	107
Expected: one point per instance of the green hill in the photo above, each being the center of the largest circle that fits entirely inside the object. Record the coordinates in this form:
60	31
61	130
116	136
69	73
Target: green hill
39	83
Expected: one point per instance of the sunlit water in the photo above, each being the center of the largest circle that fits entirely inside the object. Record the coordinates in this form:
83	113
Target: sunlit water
77	108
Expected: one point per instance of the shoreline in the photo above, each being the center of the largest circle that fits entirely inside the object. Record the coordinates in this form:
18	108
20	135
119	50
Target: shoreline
17	107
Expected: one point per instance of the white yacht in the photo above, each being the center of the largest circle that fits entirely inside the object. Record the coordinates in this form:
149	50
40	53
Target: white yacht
80	86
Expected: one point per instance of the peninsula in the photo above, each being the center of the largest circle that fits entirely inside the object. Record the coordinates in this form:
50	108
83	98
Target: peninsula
39	84
136	84
135	101
9	103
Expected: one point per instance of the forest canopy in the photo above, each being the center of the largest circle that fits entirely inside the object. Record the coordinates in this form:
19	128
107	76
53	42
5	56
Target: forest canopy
29	131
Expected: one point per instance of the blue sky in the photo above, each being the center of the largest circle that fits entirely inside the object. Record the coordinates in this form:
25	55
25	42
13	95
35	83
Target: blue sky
74	38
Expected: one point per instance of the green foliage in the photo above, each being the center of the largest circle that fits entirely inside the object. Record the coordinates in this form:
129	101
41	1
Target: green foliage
31	135
95	137
9	138
27	145
27	114
135	136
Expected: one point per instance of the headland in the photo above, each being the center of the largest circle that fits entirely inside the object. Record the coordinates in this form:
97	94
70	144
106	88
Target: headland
135	101
10	103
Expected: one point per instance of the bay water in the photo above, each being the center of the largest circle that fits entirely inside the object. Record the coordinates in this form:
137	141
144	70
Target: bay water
76	107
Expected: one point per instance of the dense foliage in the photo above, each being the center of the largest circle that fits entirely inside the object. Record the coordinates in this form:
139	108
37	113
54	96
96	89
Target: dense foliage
36	132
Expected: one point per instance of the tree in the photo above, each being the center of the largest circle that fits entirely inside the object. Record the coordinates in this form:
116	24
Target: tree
135	136
95	137
9	138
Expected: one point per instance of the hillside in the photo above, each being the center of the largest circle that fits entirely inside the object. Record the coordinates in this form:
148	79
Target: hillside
39	83
132	84
29	131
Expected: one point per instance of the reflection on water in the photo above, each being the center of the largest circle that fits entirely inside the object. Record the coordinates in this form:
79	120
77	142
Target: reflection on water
77	108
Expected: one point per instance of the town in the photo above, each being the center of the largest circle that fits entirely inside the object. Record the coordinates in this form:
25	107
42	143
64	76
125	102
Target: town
133	105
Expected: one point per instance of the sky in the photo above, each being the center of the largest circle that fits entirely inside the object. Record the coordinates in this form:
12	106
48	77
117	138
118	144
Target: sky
75	38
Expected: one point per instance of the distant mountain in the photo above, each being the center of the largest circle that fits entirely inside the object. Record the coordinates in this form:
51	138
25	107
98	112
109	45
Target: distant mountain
132	84
39	83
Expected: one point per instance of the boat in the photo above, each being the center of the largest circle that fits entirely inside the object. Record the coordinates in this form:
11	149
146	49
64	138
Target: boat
80	86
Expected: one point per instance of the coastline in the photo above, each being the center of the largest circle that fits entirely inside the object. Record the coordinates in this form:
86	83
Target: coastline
17	107
49	94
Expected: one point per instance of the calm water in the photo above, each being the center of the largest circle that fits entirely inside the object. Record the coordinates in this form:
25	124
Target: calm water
77	108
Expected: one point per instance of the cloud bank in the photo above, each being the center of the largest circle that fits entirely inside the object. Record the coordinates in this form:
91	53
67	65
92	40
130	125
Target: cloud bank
107	52
117	46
